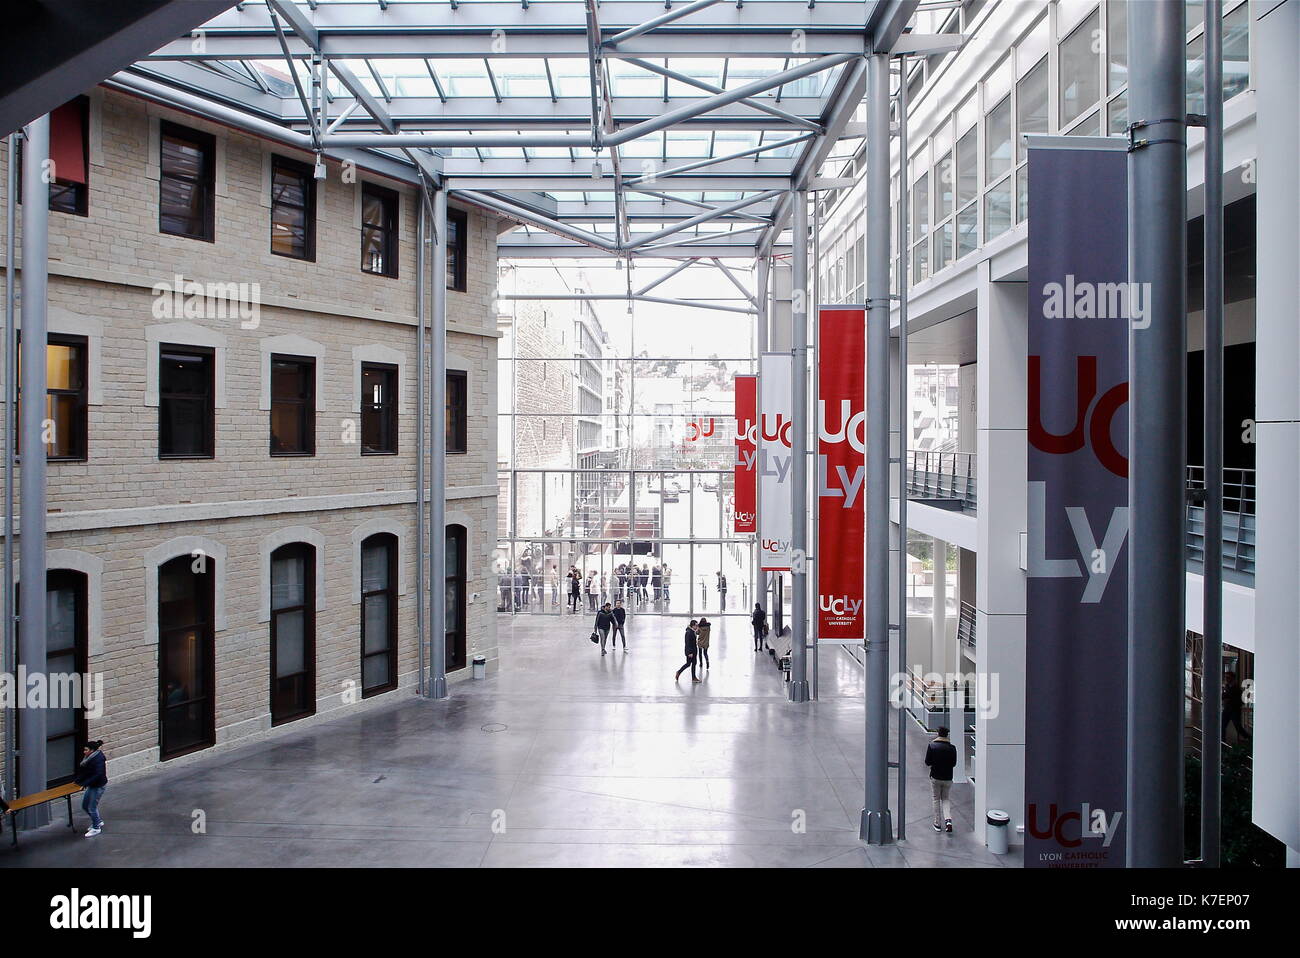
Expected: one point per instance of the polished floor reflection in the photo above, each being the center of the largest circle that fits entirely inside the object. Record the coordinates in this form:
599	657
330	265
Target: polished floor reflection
563	758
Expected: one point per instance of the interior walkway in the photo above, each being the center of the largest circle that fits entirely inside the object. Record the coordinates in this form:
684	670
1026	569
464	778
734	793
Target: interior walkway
575	758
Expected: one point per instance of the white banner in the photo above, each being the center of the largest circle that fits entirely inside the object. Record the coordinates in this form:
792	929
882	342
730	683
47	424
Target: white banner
775	484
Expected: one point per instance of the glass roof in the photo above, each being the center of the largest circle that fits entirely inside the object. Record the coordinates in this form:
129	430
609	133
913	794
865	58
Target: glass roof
497	96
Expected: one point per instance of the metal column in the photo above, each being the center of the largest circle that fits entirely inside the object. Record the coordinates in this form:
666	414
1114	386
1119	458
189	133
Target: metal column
877	826
437	686
762	585
1212	628
11	421
904	440
31	532
815	449
1157	408
422	255
799	451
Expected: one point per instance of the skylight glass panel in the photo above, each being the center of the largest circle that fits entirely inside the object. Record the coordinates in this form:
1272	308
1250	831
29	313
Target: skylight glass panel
628	79
571	76
688	144
521	77
463	77
742	71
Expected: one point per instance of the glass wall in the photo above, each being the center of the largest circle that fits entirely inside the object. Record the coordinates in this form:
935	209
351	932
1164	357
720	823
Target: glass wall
617	449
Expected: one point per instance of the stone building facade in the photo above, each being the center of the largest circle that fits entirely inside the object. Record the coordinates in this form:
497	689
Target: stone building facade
121	513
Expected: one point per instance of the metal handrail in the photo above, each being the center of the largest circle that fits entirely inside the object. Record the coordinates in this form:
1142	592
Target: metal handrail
942	475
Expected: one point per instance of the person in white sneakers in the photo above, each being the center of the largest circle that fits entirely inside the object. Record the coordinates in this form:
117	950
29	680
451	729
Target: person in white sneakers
92	776
941	756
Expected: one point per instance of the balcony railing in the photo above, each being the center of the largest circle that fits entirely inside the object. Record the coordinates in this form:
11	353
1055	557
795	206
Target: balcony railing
942	475
1238	520
966	626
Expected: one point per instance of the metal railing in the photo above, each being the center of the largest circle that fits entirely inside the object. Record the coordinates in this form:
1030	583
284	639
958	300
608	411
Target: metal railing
942	475
1238	519
966	626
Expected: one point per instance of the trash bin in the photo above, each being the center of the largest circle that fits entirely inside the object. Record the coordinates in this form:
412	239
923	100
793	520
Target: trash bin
480	666
999	831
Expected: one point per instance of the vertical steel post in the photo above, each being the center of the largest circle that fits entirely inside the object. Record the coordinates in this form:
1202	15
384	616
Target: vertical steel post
904	437
438	453
1157	427
11	421
761	584
876	825
1212	628
799	451
31	532
420	414
815	442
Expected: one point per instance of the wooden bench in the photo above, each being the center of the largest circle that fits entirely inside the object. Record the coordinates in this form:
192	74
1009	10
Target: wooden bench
11	809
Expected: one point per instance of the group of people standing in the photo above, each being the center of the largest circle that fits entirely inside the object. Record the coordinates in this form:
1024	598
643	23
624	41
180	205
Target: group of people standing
630	584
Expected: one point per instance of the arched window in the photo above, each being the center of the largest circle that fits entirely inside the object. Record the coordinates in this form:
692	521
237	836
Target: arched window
456	540
65	655
293	632
378	613
186	655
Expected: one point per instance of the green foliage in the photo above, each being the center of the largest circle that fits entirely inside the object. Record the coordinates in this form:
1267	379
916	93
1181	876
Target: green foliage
1242	843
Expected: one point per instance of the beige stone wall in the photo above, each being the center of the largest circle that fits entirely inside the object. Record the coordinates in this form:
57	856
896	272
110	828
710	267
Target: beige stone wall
119	510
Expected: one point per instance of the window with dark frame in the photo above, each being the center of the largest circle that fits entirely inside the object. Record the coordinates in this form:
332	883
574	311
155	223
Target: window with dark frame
187	182
378	230
457	249
66	654
186	656
457	411
66	403
293	406
293	209
378	614
69	158
186	402
455	626
293	632
378	409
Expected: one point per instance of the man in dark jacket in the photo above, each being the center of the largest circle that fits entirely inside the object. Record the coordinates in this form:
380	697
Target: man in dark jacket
690	653
92	775
604	619
941	756
758	619
620	616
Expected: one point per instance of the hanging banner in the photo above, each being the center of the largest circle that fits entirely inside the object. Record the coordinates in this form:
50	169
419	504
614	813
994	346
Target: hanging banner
746	469
775	484
1080	307
841	473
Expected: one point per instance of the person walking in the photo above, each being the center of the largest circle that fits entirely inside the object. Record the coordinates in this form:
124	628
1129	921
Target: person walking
92	775
620	617
758	619
941	757
1232	696
604	619
703	631
575	589
690	653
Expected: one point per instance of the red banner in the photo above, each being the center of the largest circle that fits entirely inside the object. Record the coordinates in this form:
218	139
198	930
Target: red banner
746	473
841	474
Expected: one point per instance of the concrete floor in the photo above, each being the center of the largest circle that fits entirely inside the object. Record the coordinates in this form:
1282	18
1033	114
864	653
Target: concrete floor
563	758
